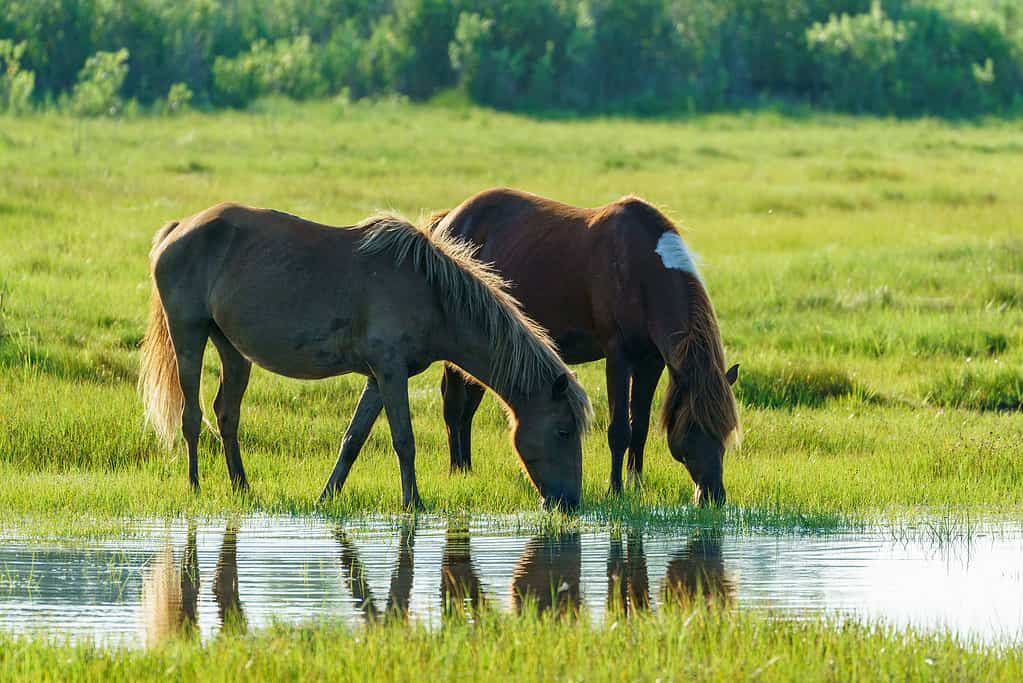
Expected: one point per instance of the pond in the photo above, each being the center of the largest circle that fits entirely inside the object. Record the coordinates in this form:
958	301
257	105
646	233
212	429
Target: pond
169	578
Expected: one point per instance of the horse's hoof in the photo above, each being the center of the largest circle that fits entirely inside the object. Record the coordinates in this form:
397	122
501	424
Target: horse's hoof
414	505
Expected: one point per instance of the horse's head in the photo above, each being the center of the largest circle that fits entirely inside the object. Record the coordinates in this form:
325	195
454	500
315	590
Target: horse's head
548	439
703	455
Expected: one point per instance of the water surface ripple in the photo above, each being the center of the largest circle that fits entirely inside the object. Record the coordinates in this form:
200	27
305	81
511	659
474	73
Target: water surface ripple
182	576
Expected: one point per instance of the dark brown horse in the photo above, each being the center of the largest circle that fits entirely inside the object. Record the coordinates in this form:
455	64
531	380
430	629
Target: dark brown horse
381	298
614	282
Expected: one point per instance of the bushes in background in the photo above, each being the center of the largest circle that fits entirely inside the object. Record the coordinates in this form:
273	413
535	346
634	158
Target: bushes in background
902	57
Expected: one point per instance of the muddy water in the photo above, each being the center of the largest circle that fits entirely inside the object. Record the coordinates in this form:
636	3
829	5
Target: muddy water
204	577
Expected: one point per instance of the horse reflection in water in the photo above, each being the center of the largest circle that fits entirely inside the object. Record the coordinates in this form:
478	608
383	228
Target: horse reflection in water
547	576
698	572
170	595
460	587
401	578
628	582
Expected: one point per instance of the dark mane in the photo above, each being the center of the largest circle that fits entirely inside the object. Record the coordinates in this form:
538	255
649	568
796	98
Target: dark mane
697	389
698	392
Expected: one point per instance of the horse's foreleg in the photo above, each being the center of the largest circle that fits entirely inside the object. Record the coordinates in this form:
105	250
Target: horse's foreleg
645	376
393	382
618	430
366	413
234	379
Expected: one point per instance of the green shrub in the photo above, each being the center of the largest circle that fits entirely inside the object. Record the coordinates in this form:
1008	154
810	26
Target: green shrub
919	60
855	58
16	85
179	97
97	92
287	67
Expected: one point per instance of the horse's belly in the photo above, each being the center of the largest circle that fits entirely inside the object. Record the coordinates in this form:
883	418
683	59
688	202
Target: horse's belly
302	355
578	346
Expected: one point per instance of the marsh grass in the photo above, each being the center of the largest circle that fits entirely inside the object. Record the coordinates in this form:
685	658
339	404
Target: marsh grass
984	388
853	311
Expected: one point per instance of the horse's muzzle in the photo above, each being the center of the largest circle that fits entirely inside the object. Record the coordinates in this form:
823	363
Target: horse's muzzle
560	501
709	495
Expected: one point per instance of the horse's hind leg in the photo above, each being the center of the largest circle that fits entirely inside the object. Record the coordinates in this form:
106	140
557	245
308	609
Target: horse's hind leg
234	379
452	388
473	397
189	345
645	376
462	399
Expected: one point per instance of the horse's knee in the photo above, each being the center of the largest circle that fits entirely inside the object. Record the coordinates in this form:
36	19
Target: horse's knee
404	446
191	422
619	435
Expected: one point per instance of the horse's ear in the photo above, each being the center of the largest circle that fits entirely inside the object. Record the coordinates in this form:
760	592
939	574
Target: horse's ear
732	374
560	386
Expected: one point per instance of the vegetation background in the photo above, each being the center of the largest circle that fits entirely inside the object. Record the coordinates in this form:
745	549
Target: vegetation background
905	57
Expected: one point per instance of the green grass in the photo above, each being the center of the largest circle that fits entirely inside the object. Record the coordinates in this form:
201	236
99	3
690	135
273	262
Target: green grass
868	275
699	643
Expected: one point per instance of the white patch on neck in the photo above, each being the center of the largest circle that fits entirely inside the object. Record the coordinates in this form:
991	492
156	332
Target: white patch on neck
675	255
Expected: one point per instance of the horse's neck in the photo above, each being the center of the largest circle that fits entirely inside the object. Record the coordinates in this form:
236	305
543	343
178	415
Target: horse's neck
470	349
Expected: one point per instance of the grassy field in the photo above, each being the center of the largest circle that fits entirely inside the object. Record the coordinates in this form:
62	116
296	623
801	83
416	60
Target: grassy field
696	644
868	275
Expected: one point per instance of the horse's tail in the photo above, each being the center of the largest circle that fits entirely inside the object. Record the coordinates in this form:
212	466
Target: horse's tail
158	372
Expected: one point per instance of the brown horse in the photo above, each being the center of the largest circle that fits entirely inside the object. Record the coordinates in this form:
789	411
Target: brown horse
614	282
383	299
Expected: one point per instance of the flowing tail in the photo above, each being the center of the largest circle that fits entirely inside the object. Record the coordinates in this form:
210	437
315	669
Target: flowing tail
158	373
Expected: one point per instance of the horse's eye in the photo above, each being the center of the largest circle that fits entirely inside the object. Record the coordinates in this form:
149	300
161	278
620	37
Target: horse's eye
564	433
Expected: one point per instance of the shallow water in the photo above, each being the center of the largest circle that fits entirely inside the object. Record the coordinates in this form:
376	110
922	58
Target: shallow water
243	574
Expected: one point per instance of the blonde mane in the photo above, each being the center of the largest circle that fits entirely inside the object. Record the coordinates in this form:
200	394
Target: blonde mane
524	355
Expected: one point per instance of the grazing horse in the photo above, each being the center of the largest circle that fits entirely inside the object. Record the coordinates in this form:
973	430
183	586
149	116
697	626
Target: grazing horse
614	282
382	298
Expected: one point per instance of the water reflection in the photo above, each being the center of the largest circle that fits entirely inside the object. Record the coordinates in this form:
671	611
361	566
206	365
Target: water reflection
548	573
698	571
170	594
225	581
195	580
628	582
460	589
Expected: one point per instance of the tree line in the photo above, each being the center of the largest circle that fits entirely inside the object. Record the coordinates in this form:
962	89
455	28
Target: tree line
901	57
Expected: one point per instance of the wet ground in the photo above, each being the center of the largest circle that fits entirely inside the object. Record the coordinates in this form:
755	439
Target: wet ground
241	574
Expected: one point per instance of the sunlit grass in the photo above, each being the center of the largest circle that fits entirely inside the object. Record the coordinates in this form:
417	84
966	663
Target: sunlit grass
695	643
867	274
